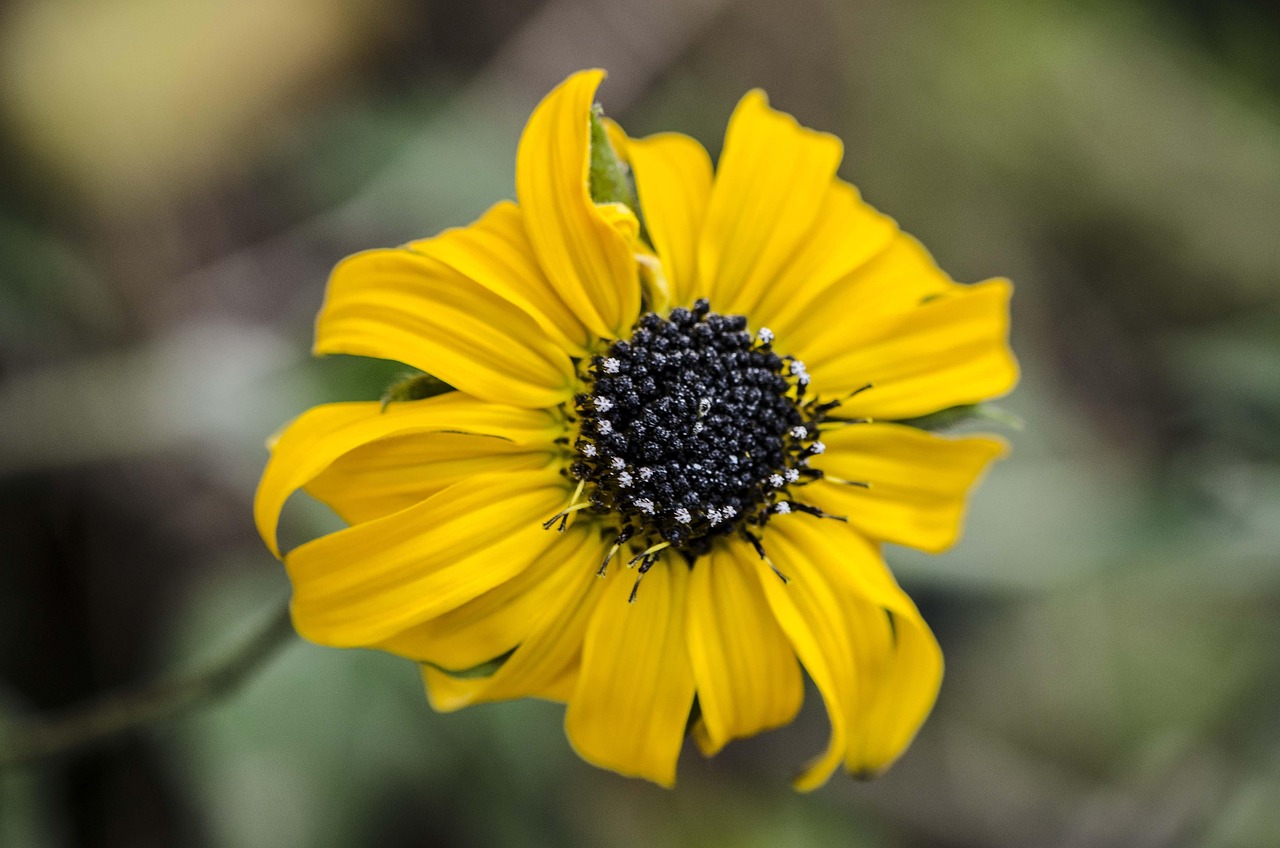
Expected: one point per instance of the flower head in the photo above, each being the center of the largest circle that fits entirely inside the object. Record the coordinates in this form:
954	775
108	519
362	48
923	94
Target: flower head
670	458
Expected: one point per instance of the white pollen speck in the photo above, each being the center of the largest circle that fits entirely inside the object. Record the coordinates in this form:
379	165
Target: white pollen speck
683	516
782	508
604	425
800	372
611	365
765	335
603	404
792	475
645	505
704	406
776	481
624	480
730	511
714	515
698	427
799	431
817	447
588	449
618	463
646	473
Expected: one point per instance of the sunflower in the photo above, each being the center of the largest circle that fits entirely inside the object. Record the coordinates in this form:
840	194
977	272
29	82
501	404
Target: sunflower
657	481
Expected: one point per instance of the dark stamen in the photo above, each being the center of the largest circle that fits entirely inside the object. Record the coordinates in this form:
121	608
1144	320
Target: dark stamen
813	510
644	569
755	543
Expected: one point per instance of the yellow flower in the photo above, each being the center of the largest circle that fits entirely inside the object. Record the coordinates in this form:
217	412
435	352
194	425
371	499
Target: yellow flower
701	396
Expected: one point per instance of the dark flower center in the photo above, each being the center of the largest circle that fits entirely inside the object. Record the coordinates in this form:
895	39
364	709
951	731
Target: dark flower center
693	429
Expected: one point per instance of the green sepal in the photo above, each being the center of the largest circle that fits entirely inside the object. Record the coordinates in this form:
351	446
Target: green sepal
484	669
414	386
948	419
609	178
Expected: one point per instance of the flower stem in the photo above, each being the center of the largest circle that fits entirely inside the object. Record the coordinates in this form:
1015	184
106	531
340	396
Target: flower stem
30	739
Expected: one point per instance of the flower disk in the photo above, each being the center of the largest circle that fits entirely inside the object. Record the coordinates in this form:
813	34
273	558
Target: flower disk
693	429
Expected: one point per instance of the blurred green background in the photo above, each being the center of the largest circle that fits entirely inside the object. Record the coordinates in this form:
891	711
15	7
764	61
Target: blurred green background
176	179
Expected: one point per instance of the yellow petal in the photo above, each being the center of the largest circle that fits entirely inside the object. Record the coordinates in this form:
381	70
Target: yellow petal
897	664
949	351
496	253
448	693
364	584
673	181
809	612
747	675
635	688
395	473
497	621
919	482
587	256
848	235
893	281
401	305
545	665
617	137
769	188
899	671
313	441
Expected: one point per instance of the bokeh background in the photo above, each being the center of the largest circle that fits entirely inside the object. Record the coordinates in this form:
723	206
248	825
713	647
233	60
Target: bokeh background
177	177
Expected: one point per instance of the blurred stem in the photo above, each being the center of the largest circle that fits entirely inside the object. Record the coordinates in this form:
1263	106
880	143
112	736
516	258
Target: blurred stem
30	739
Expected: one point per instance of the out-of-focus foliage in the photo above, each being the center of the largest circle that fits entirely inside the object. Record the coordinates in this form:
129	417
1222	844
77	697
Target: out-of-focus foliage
179	177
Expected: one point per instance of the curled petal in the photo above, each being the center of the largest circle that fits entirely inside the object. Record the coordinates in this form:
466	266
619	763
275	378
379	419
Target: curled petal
404	306
394	473
587	255
323	434
809	611
495	252
878	661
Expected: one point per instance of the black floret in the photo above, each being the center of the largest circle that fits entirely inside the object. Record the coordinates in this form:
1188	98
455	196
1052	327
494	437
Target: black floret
689	428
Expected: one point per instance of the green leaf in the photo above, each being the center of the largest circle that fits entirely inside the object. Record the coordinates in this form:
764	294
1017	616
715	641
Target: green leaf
484	669
948	419
609	177
414	387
